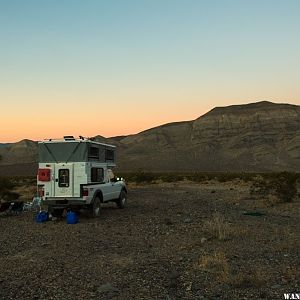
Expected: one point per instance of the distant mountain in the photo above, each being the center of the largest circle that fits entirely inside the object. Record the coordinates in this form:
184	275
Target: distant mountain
21	152
261	136
4	144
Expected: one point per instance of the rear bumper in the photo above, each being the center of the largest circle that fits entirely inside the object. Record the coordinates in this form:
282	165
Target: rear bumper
64	202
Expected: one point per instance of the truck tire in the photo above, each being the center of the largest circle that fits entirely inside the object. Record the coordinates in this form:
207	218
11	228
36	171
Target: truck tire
96	207
121	201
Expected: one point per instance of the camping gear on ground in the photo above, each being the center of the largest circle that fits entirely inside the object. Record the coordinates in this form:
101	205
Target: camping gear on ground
35	204
72	217
17	206
42	217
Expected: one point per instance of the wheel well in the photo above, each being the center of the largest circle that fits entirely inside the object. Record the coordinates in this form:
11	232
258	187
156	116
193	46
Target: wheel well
99	195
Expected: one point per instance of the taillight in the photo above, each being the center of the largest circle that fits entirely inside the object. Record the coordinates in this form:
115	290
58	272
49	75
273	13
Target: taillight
44	174
85	192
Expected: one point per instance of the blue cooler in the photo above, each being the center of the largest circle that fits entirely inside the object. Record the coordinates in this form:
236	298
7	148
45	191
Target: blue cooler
72	218
42	217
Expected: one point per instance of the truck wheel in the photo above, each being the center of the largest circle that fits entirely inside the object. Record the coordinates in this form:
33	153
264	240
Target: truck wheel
121	202
96	207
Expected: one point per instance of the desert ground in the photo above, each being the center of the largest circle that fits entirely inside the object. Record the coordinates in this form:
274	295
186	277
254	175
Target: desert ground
179	240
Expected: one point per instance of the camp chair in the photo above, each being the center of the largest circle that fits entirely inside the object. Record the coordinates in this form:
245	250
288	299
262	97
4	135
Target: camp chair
17	207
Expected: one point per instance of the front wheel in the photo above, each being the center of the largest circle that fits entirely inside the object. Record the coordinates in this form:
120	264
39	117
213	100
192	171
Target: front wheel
96	207
121	201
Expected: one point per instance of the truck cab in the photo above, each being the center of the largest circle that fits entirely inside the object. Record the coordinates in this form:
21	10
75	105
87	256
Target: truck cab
78	173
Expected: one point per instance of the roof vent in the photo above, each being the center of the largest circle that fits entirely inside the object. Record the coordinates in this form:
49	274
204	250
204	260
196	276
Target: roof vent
69	138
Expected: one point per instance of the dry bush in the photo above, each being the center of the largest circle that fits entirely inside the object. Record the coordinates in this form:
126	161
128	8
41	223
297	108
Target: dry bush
281	186
290	274
218	227
217	264
250	279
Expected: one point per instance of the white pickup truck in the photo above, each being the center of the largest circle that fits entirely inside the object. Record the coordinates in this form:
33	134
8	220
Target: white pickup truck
77	173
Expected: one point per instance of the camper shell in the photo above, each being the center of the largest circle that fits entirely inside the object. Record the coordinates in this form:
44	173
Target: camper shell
78	173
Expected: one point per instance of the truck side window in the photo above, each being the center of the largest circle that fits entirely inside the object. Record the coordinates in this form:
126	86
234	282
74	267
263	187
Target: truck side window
97	175
63	178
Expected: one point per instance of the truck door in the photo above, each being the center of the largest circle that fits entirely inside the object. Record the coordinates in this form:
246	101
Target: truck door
63	186
114	185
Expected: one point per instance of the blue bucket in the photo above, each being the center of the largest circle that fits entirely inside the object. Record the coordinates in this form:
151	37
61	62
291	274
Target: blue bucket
42	217
72	218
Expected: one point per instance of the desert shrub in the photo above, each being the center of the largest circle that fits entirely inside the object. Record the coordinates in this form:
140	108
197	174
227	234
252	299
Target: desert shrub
149	177
144	177
290	273
224	177
285	186
197	177
246	177
216	264
219	176
281	185
171	177
218	227
260	186
255	278
6	184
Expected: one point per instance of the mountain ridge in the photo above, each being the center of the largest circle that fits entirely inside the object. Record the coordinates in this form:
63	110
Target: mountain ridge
260	136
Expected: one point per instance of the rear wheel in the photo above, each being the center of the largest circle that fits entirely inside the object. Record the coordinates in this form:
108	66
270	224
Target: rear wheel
96	207
121	202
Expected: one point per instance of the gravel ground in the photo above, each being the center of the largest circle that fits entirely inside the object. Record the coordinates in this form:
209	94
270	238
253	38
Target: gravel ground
172	241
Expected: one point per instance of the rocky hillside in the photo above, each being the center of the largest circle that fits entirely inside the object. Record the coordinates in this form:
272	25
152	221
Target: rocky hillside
21	152
261	136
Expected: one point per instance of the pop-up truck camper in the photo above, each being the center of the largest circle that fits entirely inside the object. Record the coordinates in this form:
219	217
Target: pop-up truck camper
78	173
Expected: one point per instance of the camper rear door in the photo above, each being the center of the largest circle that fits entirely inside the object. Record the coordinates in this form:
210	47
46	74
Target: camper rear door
63	186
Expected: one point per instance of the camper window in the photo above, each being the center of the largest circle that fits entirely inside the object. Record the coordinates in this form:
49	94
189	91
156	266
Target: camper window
97	175
63	178
109	154
93	152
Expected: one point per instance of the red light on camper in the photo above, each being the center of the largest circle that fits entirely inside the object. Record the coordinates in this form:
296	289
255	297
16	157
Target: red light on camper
44	174
85	192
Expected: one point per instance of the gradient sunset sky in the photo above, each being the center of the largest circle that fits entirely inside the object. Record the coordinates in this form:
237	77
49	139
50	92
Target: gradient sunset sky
114	67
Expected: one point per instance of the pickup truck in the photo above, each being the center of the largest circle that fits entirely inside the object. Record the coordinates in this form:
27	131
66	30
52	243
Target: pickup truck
77	173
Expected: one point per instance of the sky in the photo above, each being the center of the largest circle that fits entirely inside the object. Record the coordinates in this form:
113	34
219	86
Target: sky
117	67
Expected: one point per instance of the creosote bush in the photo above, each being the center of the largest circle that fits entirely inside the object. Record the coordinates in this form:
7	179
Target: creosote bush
281	185
285	186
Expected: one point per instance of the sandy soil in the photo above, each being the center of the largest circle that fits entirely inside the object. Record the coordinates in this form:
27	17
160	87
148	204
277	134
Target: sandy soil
172	241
